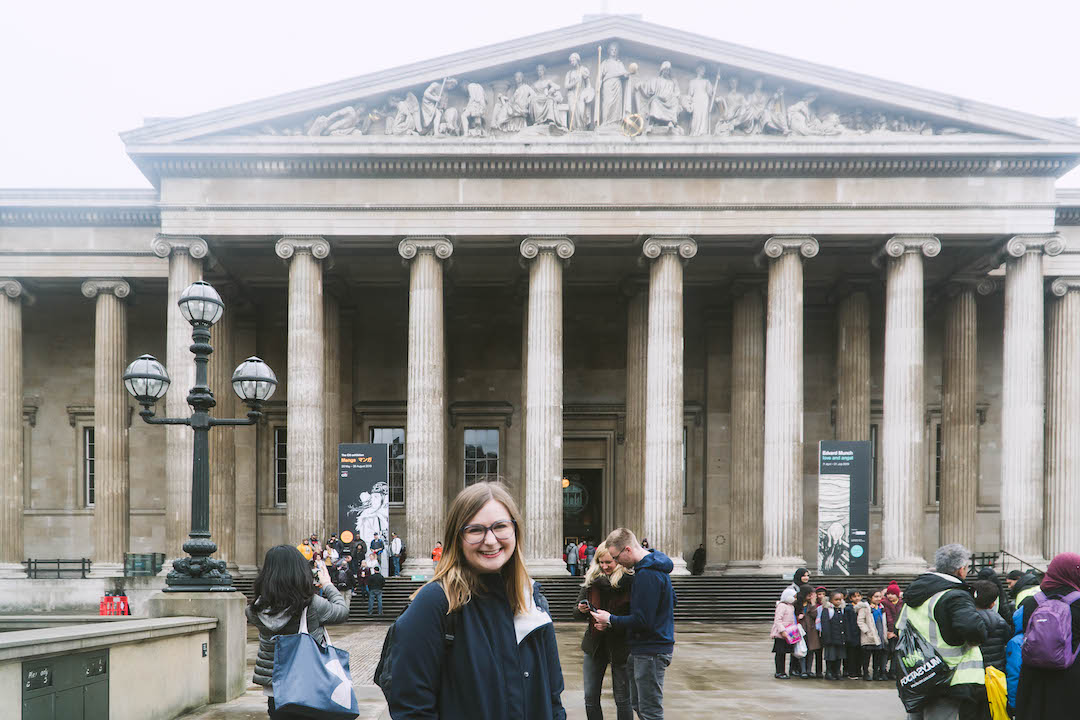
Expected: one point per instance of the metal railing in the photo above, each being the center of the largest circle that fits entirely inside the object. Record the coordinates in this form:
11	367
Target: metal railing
57	567
1000	561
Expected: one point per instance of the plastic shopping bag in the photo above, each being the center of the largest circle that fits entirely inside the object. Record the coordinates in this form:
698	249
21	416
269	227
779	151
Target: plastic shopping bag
923	673
800	649
997	693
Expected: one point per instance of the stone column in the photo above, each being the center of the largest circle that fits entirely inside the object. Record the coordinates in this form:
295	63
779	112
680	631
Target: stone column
112	497
904	408
223	440
747	428
1063	418
782	497
1023	397
664	397
959	419
544	404
12	296
185	254
853	367
332	410
306	386
425	423
637	347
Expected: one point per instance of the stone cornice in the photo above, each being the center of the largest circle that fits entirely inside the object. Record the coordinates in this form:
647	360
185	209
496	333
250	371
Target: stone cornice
412	246
312	245
79	207
15	290
164	245
899	245
1064	285
681	245
113	286
561	246
776	246
1067	216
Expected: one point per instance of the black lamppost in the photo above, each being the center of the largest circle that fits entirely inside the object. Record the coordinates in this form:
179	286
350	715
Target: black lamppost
147	381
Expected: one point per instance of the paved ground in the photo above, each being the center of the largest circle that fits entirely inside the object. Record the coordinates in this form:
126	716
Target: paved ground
719	671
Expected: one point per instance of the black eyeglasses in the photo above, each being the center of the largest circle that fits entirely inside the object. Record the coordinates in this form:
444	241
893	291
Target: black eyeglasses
502	530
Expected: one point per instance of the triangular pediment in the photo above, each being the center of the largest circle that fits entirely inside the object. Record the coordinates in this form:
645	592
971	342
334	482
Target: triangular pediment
478	96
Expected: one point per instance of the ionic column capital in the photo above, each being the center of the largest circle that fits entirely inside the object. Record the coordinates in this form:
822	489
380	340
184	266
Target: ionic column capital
684	247
957	285
899	245
562	247
312	245
15	290
107	286
440	247
779	245
164	245
1020	245
1062	286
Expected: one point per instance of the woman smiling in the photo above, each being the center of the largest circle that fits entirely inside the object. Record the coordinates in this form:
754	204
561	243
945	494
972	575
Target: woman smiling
477	640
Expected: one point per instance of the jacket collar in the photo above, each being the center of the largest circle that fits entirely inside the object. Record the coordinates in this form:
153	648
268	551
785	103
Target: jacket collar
532	618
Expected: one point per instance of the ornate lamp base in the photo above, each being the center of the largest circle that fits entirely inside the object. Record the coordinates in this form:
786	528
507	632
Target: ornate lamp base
199	572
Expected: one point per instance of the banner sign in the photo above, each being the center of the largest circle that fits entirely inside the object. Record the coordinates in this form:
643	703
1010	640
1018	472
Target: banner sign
843	507
364	494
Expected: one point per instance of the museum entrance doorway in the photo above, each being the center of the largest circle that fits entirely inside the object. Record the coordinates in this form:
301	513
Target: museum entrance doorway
583	494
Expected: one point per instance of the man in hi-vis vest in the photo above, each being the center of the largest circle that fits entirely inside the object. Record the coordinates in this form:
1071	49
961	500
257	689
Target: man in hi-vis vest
941	606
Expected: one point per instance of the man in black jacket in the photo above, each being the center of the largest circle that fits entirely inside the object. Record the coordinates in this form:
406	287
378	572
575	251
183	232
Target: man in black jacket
958	626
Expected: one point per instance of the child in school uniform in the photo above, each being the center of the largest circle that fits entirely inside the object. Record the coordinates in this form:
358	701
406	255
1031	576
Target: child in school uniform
834	635
809	622
871	618
853	663
783	617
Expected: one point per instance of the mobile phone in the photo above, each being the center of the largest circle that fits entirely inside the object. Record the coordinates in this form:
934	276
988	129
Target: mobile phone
592	608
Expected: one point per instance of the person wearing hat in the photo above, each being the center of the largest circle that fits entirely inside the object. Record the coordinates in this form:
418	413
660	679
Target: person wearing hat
892	604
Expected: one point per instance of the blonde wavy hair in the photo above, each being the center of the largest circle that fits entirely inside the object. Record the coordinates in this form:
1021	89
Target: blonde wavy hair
595	570
458	579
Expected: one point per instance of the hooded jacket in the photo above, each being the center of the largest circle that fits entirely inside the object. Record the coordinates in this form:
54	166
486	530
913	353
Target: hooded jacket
500	665
651	622
998	633
1026	582
784	615
957	618
870	633
327	608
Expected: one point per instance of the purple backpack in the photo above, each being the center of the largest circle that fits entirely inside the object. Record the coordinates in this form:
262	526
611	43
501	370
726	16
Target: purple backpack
1048	642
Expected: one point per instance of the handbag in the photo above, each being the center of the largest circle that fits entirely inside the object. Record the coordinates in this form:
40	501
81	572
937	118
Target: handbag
793	633
310	679
800	649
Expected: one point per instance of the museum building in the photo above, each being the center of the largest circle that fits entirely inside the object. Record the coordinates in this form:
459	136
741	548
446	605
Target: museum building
635	273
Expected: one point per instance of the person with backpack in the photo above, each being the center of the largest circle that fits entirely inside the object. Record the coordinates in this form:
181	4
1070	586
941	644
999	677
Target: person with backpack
1049	685
941	607
477	641
283	590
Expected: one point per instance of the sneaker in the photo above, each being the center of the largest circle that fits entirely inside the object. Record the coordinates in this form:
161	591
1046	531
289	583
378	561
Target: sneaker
819	676
806	676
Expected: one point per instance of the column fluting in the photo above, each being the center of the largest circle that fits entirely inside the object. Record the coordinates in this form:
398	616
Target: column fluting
223	440
959	419
332	410
185	256
425	423
12	296
747	428
782	494
904	408
1063	418
637	351
305	385
112	499
853	367
664	397
544	404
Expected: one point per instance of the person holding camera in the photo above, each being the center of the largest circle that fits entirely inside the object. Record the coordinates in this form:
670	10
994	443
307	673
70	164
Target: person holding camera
606	587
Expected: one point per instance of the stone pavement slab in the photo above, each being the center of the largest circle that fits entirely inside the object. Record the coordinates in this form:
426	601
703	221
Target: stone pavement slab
718	671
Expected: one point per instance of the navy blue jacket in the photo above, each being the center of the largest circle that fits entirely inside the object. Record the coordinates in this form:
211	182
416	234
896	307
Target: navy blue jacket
851	625
834	629
487	674
651	622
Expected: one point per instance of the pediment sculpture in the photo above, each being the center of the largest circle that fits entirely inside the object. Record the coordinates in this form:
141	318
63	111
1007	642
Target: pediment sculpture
618	97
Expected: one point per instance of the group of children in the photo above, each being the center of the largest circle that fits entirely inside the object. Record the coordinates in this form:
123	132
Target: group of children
850	633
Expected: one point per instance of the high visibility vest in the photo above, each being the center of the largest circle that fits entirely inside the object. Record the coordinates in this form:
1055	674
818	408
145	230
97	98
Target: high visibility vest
966	660
1025	594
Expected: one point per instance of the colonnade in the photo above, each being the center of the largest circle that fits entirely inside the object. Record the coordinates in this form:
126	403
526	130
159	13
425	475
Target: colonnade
767	403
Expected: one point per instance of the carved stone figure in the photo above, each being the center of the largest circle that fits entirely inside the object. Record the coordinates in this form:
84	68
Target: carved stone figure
580	93
512	113
474	118
730	106
802	121
663	100
701	93
544	105
436	115
406	119
348	120
611	104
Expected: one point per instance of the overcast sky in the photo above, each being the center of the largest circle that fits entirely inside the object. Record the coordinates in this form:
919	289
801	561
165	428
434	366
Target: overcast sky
75	74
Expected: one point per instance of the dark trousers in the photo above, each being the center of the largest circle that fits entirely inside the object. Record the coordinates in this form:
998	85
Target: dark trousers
796	664
853	663
832	667
816	658
593	669
877	655
779	658
892	660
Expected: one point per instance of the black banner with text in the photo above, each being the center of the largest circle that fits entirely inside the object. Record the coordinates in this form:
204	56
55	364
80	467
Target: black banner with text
843	507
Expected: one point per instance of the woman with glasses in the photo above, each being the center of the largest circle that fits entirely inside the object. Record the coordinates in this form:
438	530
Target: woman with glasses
606	587
477	640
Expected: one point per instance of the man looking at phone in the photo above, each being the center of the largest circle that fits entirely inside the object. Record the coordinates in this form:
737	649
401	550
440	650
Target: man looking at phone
650	623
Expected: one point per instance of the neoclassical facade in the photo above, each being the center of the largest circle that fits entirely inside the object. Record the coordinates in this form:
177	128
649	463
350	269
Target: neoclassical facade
637	286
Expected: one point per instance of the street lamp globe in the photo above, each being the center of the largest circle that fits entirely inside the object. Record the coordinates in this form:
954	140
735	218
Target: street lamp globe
146	379
254	381
200	303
